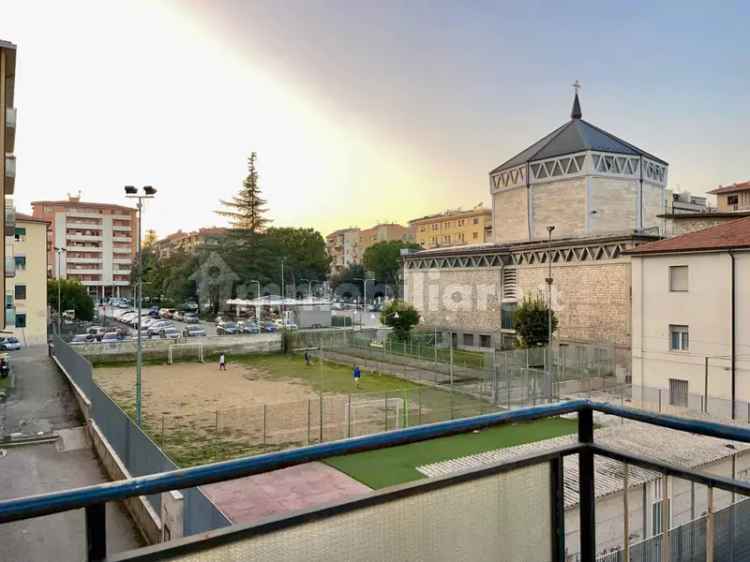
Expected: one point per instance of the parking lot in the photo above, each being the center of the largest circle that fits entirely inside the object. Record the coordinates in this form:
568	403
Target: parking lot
108	320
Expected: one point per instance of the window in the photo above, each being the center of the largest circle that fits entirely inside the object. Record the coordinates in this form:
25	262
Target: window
20	234
469	339
732	200
507	311
485	340
21	320
461	222
678	392
475	235
21	262
510	284
678	338
476	220
678	278
20	292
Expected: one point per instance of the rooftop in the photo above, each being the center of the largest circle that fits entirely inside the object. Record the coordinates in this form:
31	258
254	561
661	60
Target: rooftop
479	209
729	235
575	136
22	217
74	202
734	188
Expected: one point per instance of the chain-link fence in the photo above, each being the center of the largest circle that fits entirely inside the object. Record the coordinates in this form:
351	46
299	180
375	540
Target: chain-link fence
221	434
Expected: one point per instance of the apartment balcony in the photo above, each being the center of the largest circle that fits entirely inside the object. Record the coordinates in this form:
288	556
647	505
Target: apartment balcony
121	228
70	259
10	217
121	217
10	129
116	250
10	262
78	222
89	270
84	237
10	174
10	315
123	239
120	283
81	213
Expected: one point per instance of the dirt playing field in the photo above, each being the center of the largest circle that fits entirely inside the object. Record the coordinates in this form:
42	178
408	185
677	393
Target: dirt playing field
189	389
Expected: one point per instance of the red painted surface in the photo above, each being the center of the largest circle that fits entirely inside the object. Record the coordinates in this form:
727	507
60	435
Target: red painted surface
281	492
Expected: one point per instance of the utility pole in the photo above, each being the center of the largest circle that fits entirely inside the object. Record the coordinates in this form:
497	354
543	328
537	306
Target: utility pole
549	280
60	251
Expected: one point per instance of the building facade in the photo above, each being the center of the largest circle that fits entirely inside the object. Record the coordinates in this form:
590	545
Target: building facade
99	240
30	281
347	246
453	227
7	159
735	197
601	194
189	242
691	314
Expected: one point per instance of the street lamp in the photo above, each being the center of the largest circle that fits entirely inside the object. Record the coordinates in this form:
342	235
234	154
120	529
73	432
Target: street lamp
364	303
131	192
309	287
60	251
549	280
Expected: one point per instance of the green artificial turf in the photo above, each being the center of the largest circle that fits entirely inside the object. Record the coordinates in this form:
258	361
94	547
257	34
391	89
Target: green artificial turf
396	465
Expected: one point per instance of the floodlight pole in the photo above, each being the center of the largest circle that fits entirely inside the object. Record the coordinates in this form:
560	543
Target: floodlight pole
132	193
549	280
60	250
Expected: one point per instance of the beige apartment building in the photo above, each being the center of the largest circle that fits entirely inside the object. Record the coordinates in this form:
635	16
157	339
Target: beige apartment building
347	246
735	197
30	280
99	240
691	317
453	227
189	242
7	159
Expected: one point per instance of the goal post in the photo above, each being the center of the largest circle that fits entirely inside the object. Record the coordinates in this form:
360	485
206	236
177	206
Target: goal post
179	351
389	412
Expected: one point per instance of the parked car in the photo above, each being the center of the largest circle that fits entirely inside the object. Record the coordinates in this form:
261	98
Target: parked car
269	327
97	331
192	306
178	315
248	327
153	313
193	331
155	328
227	328
281	324
111	337
10	344
170	332
191	318
81	339
167	313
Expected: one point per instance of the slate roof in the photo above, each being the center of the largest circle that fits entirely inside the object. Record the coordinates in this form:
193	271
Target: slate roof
729	235
575	136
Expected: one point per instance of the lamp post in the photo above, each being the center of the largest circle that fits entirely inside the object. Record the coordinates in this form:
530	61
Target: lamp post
364	302
549	280
60	251
131	192
309	287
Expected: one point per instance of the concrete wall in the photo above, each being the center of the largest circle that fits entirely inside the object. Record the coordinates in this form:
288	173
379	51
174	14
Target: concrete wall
510	219
685	226
560	203
34	248
613	205
705	308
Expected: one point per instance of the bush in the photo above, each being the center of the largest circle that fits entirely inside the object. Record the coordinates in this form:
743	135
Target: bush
401	316
531	322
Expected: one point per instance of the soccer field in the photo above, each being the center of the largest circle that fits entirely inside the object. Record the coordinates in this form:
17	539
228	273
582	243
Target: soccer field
262	403
396	465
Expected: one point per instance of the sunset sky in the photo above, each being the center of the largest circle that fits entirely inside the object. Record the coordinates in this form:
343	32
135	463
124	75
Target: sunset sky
359	111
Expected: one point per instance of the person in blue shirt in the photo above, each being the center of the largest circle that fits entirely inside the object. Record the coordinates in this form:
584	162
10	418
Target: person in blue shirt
356	374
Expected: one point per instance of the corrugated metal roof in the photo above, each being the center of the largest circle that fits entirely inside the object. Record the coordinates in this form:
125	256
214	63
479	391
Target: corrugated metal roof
685	449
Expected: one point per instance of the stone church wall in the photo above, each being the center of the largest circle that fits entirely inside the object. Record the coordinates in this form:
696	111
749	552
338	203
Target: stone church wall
561	203
653	205
511	222
613	205
592	300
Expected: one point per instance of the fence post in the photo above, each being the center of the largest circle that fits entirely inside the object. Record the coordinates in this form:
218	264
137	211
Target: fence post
451	399
659	400
349	417
321	418
626	510
386	410
162	431
710	525
308	421
264	423
419	405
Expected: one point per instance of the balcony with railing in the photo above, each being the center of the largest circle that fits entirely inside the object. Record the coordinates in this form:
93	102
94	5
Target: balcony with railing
10	174
10	129
540	503
10	217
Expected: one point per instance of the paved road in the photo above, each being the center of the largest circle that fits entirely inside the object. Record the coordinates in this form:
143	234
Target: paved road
43	402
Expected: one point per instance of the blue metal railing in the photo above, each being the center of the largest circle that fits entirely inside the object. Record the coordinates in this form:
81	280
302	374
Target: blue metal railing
93	498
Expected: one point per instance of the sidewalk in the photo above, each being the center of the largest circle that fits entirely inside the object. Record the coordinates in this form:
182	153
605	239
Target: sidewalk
42	402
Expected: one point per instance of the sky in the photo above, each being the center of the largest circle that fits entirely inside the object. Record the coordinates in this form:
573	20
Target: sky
360	112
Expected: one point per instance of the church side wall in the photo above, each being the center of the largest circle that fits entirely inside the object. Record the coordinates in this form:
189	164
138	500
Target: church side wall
653	205
592	300
510	222
560	203
463	299
613	205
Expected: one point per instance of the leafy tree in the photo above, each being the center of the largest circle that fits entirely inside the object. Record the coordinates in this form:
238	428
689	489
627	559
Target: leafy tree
73	296
246	210
401	316
167	278
347	282
384	259
150	238
531	322
304	250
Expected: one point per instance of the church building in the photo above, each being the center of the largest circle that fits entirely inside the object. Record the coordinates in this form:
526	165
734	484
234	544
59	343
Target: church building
575	200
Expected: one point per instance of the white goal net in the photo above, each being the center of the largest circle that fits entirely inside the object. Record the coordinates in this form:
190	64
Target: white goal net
386	413
185	352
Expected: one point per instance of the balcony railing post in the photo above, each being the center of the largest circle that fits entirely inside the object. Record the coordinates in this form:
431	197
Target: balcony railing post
586	486
626	512
710	525
96	532
557	497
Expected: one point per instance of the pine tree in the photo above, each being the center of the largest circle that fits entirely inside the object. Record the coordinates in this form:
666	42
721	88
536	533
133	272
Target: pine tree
246	210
